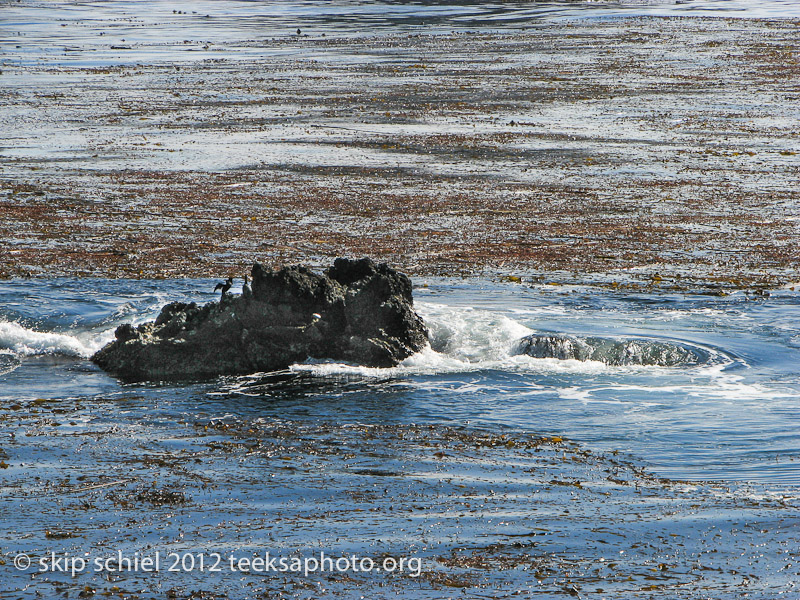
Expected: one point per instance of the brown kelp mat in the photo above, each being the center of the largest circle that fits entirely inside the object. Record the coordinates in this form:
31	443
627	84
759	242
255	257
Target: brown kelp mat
127	485
648	151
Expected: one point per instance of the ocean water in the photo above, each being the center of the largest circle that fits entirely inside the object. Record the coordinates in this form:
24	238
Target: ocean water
730	415
613	467
471	444
114	32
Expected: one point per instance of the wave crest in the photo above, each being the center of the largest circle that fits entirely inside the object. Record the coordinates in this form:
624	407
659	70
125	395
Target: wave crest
27	342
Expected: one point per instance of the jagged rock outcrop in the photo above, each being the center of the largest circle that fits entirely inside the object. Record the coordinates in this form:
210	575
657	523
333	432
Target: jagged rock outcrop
357	311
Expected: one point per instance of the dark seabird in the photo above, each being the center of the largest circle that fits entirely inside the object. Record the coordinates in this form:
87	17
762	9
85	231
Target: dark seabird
224	286
247	291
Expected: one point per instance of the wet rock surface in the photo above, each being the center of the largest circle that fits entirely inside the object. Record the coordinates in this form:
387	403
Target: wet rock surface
357	311
611	351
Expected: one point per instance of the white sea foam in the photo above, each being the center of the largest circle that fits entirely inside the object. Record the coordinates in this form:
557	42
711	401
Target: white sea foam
28	342
466	339
462	340
471	335
8	361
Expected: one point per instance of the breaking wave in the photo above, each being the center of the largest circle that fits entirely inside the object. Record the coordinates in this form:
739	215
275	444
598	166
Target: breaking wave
467	339
17	340
462	340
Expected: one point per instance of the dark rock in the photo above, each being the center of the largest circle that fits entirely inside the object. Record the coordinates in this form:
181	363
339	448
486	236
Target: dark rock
611	351
125	332
356	312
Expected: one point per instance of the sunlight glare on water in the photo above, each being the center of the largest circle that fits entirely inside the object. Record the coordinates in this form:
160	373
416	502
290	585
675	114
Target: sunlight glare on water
730	416
116	32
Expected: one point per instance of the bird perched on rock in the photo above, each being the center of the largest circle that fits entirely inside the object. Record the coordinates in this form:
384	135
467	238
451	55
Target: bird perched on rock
247	291
224	286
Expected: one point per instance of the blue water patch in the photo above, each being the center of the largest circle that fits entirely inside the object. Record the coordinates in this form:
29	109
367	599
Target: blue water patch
119	32
730	414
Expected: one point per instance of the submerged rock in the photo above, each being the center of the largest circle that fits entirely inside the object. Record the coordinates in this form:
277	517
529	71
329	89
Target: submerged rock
357	311
611	352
